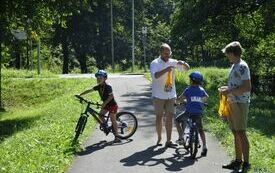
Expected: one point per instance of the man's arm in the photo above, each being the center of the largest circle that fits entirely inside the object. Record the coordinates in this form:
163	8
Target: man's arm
184	64
162	72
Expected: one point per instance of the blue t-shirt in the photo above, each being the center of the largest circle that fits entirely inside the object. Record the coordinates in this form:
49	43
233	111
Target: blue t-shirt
194	96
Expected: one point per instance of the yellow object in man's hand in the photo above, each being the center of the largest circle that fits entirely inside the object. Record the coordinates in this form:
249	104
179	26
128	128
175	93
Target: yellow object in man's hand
168	82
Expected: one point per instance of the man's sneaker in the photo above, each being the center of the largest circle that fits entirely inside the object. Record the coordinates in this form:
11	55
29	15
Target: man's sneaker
204	152
170	144
245	167
233	165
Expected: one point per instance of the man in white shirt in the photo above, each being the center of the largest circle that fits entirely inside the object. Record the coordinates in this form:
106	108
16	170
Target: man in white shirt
164	90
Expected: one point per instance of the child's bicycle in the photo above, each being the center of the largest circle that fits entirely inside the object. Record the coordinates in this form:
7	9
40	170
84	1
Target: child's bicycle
190	133
126	121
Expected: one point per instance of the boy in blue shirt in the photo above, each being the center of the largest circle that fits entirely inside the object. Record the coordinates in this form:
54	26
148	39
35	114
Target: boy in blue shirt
195	97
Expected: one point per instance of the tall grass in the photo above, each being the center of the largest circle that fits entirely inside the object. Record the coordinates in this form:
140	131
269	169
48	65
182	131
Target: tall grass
13	73
37	127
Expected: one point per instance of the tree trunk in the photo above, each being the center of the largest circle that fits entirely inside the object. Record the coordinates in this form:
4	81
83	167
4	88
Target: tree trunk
17	60
83	63
65	52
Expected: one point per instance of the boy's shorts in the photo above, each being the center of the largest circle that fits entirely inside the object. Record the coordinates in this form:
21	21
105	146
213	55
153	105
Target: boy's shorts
164	105
196	117
237	118
111	108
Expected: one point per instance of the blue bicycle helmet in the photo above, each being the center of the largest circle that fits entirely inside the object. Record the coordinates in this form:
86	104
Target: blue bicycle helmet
102	73
196	76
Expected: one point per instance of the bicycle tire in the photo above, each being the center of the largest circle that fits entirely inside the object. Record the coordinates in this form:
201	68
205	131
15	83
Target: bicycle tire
127	124
194	140
81	123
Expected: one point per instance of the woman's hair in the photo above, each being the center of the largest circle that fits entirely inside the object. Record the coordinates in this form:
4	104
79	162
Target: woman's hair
233	47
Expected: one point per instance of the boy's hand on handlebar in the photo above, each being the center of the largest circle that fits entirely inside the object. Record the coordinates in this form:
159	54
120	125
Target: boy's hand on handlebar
77	95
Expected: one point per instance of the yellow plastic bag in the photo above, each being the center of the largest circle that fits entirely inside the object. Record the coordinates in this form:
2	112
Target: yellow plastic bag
169	79
224	107
168	82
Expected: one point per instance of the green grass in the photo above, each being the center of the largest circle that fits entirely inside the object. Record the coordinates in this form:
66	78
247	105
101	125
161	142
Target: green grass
37	125
13	73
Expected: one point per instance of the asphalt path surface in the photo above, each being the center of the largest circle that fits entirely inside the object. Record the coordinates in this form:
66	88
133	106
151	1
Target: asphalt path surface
139	153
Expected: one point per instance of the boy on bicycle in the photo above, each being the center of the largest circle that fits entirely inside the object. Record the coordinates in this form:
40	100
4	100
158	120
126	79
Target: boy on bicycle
106	94
195	97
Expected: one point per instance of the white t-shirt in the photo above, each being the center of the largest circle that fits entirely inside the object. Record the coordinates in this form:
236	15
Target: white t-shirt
238	73
158	85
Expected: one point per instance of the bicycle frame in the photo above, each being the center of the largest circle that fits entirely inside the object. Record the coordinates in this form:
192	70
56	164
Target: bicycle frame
127	126
93	112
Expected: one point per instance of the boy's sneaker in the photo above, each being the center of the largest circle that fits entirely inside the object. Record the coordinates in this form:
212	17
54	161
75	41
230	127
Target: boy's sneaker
245	167
204	152
233	165
180	141
116	140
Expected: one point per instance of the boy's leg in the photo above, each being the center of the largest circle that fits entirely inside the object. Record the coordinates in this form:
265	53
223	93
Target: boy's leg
102	113
198	121
180	122
114	123
179	129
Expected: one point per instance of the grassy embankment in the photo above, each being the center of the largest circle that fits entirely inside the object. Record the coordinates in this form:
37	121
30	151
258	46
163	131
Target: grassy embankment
37	125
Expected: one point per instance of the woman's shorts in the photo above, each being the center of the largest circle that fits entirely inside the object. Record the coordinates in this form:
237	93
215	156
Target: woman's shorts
238	113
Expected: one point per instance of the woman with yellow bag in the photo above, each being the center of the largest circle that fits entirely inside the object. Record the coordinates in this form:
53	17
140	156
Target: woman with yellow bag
237	94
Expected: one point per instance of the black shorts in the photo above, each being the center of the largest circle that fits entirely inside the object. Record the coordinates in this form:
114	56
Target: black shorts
182	118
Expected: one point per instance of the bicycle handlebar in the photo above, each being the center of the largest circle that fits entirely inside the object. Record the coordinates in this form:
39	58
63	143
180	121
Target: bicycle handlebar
184	103
81	99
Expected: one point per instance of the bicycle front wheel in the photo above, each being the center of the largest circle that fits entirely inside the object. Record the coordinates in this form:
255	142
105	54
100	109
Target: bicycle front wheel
126	124
194	141
80	126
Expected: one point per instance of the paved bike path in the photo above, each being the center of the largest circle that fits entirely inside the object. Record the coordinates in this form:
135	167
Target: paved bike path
139	154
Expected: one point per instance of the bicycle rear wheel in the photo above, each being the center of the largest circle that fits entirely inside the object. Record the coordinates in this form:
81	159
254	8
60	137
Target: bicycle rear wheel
81	123
194	141
126	124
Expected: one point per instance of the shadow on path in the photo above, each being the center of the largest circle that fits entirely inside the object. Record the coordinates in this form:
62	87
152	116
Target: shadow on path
100	145
148	157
